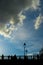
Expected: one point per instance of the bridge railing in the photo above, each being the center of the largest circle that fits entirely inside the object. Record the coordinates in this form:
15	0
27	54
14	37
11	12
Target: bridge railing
18	57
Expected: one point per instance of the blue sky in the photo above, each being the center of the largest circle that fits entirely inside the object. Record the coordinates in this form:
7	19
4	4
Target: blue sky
28	30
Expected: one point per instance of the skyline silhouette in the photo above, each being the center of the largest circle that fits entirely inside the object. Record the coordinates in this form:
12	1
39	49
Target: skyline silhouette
33	59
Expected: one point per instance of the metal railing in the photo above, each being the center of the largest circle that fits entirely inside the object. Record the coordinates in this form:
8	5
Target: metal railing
18	57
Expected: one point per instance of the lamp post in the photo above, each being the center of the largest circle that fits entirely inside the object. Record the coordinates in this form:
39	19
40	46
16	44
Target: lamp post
26	52
24	48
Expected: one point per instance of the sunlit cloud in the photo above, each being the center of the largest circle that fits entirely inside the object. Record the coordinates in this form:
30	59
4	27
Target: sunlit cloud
4	34
12	14
38	21
36	4
21	18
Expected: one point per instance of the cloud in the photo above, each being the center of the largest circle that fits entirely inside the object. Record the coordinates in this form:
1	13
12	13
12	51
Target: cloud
22	35
11	13
38	21
35	4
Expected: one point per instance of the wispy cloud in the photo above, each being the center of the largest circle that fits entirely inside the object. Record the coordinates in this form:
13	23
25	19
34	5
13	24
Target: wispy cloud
38	21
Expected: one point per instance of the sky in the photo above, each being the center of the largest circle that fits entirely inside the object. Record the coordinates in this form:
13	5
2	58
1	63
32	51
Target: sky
21	21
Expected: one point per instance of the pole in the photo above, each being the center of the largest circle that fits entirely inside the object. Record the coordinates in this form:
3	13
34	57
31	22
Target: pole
24	48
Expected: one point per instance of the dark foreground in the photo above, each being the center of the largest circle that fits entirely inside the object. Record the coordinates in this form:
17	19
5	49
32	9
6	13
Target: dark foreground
21	61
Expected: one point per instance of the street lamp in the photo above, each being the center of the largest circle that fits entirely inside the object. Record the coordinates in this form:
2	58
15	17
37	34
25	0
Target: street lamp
24	48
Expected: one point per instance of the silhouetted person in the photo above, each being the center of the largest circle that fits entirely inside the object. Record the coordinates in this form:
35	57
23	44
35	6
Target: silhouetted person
41	56
15	57
2	57
19	58
33	57
9	57
25	57
37	56
41	53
